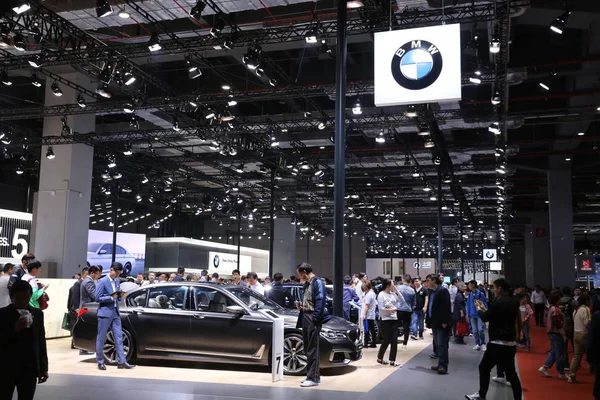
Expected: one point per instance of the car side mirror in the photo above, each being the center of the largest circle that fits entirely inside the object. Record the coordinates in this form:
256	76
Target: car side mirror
102	252
236	310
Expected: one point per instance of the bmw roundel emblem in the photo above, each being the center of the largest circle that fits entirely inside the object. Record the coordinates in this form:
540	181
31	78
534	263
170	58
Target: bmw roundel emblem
417	64
489	254
216	261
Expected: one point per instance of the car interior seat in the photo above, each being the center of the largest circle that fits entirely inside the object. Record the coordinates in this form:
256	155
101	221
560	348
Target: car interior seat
163	301
203	302
219	303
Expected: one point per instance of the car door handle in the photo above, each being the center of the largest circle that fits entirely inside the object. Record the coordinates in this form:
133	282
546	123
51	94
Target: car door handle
198	316
138	311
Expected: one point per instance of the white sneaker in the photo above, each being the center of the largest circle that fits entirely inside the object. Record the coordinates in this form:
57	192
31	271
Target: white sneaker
501	380
562	376
474	396
404	347
308	383
483	347
544	371
477	348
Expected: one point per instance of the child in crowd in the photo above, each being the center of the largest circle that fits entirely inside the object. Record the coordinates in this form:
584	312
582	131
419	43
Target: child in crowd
526	314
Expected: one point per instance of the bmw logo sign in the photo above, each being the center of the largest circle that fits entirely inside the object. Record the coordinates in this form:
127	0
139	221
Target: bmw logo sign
489	254
417	64
216	261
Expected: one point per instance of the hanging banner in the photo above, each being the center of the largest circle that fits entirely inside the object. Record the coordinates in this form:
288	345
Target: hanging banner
15	228
421	65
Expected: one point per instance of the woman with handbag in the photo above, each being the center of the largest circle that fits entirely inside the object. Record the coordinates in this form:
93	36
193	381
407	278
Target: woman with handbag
459	315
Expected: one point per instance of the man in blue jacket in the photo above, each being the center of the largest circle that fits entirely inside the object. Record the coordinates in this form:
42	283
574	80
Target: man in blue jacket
477	323
108	296
313	314
349	296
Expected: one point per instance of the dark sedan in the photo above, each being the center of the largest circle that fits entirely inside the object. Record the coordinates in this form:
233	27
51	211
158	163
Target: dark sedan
212	323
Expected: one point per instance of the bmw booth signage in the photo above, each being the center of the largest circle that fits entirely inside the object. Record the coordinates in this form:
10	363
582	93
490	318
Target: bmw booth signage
419	65
490	255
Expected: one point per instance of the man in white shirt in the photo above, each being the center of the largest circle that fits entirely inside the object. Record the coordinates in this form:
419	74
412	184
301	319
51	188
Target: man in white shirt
362	277
538	298
254	284
4	280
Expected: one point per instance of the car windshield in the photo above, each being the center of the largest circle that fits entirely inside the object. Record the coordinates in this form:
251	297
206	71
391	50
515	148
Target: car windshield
93	247
253	300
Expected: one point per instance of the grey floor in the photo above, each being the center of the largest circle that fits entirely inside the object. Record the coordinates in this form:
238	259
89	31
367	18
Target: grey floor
414	380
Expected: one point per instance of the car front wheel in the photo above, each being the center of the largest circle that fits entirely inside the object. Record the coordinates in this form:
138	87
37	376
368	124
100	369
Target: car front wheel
127	269
110	348
294	357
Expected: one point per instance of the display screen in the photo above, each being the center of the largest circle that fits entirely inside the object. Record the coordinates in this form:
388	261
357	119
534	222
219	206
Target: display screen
130	251
15	230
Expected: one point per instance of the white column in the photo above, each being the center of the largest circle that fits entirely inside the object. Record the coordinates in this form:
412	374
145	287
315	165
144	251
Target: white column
61	214
284	247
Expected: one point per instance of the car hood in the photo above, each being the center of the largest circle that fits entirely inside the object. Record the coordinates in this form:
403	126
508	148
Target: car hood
291	317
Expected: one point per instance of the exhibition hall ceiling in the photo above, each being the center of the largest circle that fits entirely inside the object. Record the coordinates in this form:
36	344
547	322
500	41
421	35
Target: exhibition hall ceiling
233	97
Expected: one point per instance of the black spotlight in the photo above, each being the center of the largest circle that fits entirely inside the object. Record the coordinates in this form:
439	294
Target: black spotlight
103	8
196	11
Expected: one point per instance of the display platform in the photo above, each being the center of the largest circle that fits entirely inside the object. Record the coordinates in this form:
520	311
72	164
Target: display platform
360	376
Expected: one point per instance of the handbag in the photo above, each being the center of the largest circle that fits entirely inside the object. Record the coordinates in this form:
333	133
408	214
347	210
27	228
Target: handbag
462	328
66	322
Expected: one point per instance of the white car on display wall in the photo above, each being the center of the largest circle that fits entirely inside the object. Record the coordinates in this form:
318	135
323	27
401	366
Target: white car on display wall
100	254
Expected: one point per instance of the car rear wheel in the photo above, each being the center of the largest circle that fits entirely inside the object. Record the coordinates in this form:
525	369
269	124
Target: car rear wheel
110	348
127	269
294	357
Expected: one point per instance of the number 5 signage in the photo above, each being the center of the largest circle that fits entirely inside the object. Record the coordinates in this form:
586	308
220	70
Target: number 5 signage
14	235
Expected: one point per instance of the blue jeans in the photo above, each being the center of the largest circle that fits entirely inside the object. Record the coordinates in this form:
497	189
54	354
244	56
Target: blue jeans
478	330
527	334
442	341
557	354
417	323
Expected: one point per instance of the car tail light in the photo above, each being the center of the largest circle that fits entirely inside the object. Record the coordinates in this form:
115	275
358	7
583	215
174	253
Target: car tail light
81	312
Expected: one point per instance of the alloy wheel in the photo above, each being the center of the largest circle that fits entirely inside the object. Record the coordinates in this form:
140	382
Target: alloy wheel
294	357
110	348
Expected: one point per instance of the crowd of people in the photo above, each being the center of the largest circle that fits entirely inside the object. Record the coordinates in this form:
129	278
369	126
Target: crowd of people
498	317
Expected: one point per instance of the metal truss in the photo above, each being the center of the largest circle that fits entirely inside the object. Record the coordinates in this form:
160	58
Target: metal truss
86	47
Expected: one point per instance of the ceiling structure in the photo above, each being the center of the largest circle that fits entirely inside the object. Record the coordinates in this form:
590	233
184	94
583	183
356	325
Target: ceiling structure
213	138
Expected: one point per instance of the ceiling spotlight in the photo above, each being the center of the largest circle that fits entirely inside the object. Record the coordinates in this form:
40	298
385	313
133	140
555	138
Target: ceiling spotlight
495	44
36	61
128	150
380	138
50	153
499	152
128	78
496	98
103	91
447	178
111	163
423	131
581	133
560	23
21	6
437	160
145	179
123	14
476	77
226	86
176	127
240	168
495	128
407	161
411	111
274	142
273	82
154	42
351	4
103	8
232	103
416	173
217	28
195	73
117	175
426	188
5	78
20	170
357	109
227	116
321	126
311	36
228	44
429	144
319	172
19	42
56	90
129	108
501	169
196	11
209	114
260	72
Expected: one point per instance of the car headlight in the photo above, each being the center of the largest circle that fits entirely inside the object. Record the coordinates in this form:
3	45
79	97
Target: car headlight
333	334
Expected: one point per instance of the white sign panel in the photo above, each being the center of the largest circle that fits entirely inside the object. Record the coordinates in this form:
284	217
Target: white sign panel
15	228
496	266
490	255
224	263
419	65
423	265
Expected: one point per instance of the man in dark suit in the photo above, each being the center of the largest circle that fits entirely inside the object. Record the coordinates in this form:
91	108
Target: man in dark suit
88	286
277	291
440	319
108	295
180	275
22	345
73	300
